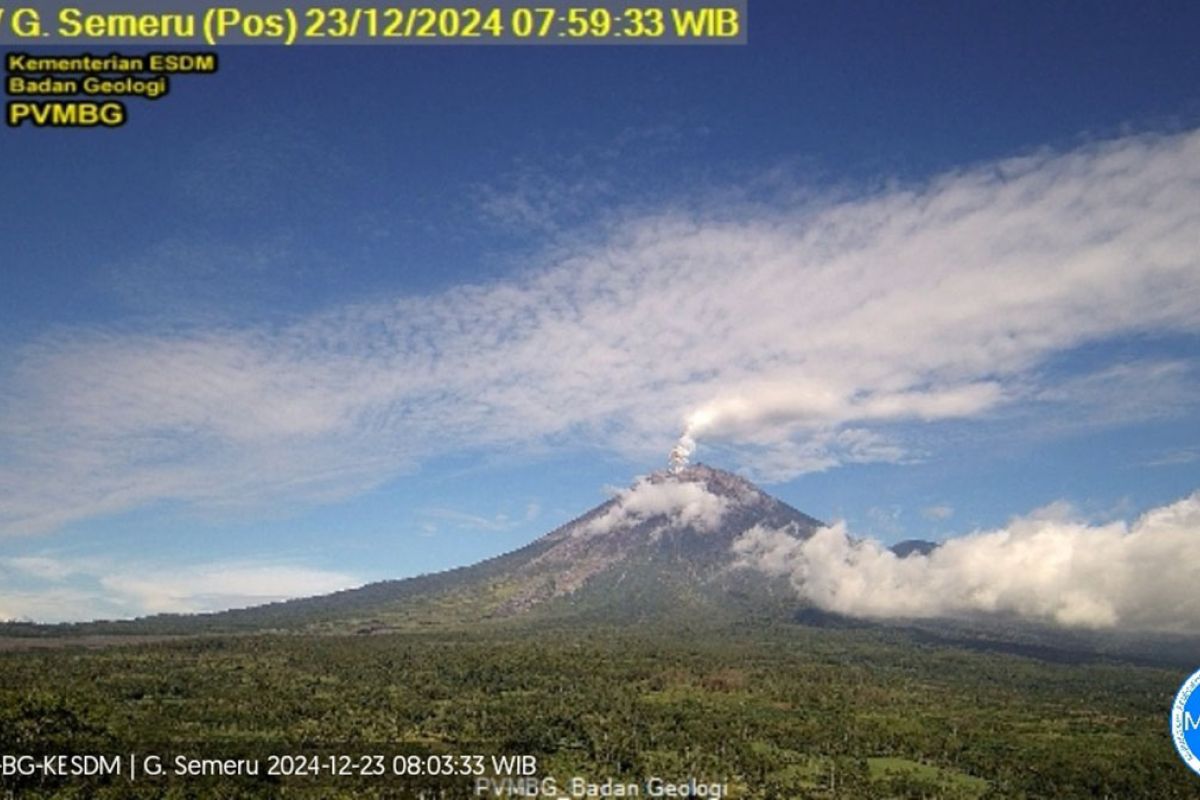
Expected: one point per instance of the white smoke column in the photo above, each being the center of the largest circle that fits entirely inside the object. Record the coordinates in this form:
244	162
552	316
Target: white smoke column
764	410
1044	567
682	452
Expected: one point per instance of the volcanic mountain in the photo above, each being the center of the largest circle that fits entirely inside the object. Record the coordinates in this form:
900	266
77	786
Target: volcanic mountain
661	548
660	551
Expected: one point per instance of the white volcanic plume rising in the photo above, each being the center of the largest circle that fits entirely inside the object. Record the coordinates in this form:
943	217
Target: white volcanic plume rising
681	453
764	411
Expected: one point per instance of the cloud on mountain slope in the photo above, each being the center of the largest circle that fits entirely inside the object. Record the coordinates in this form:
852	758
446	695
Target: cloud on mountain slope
1046	567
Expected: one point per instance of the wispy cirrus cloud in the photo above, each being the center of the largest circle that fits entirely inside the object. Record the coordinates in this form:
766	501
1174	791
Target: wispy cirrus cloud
1174	457
466	521
810	335
938	513
556	193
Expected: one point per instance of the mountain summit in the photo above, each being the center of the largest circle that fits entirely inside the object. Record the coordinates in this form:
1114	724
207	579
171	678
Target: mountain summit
666	542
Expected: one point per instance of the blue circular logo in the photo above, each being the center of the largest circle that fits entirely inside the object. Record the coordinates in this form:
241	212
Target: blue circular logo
1185	722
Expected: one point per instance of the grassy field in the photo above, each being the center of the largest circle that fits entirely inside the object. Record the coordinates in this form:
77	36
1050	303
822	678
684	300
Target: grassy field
783	712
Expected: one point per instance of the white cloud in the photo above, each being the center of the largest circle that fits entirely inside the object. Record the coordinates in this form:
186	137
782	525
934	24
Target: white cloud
941	511
75	590
54	604
211	587
1173	458
805	335
885	521
684	503
497	522
44	567
1046	567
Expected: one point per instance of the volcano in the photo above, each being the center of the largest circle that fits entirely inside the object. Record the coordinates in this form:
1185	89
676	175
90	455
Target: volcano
661	548
661	551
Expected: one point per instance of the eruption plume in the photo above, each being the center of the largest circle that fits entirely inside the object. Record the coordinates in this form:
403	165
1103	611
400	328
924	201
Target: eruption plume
683	449
681	452
784	407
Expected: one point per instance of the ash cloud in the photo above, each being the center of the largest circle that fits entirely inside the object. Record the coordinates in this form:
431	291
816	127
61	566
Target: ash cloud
1045	567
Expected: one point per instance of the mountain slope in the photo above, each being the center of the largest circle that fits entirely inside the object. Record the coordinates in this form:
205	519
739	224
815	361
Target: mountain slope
661	551
663	547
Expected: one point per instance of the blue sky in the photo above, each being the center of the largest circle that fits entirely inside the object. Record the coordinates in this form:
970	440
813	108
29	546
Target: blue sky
340	314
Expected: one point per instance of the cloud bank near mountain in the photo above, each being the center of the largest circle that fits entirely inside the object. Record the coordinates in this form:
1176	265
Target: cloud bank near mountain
1046	567
683	503
802	336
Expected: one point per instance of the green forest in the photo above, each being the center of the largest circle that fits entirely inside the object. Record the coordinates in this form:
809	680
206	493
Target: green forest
780	711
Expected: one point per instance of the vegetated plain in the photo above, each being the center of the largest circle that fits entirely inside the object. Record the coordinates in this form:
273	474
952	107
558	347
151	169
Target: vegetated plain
776	710
617	648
